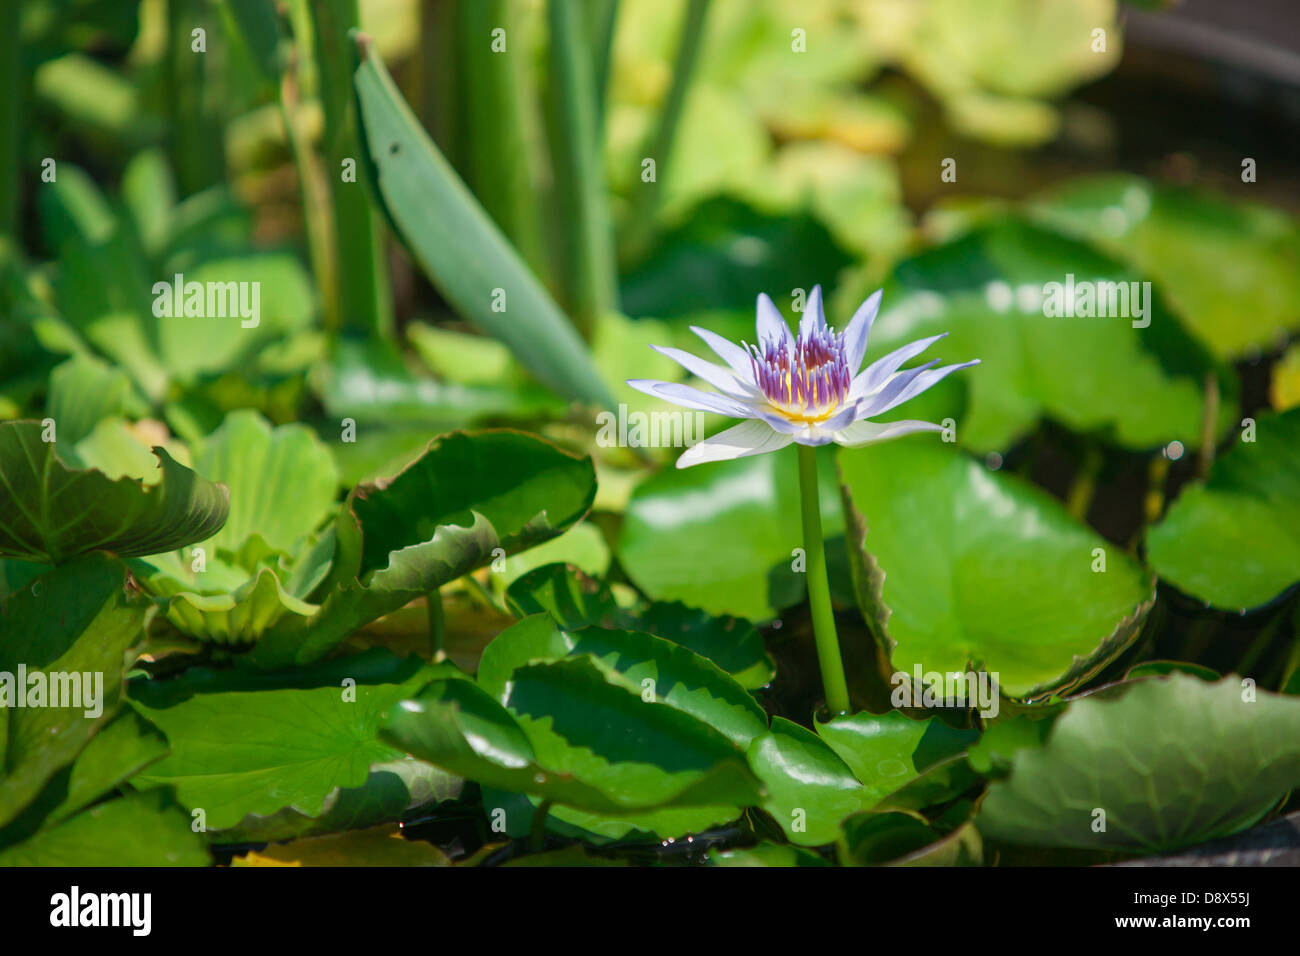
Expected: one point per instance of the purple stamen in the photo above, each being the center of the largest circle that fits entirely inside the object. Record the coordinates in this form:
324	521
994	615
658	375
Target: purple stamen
807	380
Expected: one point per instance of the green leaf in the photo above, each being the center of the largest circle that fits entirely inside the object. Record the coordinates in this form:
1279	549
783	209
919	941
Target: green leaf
571	732
369	383
441	517
392	789
458	246
53	513
586	251
282	480
84	390
254	23
810	789
722	254
240	753
1001	739
140	829
650	666
900	839
722	537
1173	762
885	752
576	601
1234	541
1232	270
1139	387
767	854
982	568
75	620
123	748
119	751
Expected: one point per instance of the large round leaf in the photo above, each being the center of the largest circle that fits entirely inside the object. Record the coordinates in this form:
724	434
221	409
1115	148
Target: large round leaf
980	567
722	536
1231	270
1141	386
51	512
1235	540
1173	762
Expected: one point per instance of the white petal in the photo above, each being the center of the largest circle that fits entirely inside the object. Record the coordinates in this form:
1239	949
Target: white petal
717	376
771	324
859	329
878	372
688	397
929	377
814	313
731	353
866	433
739	441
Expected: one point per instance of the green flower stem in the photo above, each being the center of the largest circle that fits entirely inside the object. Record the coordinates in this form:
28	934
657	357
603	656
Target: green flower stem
819	591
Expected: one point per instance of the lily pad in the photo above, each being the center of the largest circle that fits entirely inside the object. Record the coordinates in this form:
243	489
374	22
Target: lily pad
983	568
574	733
1232	270
1234	541
722	537
1140	387
1173	762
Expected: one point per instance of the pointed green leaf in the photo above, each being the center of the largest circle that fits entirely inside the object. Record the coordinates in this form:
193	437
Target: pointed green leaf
457	244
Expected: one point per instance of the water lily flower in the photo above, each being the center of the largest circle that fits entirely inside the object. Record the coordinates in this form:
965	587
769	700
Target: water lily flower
804	389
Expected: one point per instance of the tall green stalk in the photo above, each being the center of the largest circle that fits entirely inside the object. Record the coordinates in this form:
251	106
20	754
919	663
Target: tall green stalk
364	299
497	161
602	19
11	100
584	238
819	592
195	130
645	202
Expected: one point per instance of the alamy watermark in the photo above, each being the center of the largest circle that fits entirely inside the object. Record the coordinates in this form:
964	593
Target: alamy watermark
209	300
649	429
1087	299
961	689
76	909
82	690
